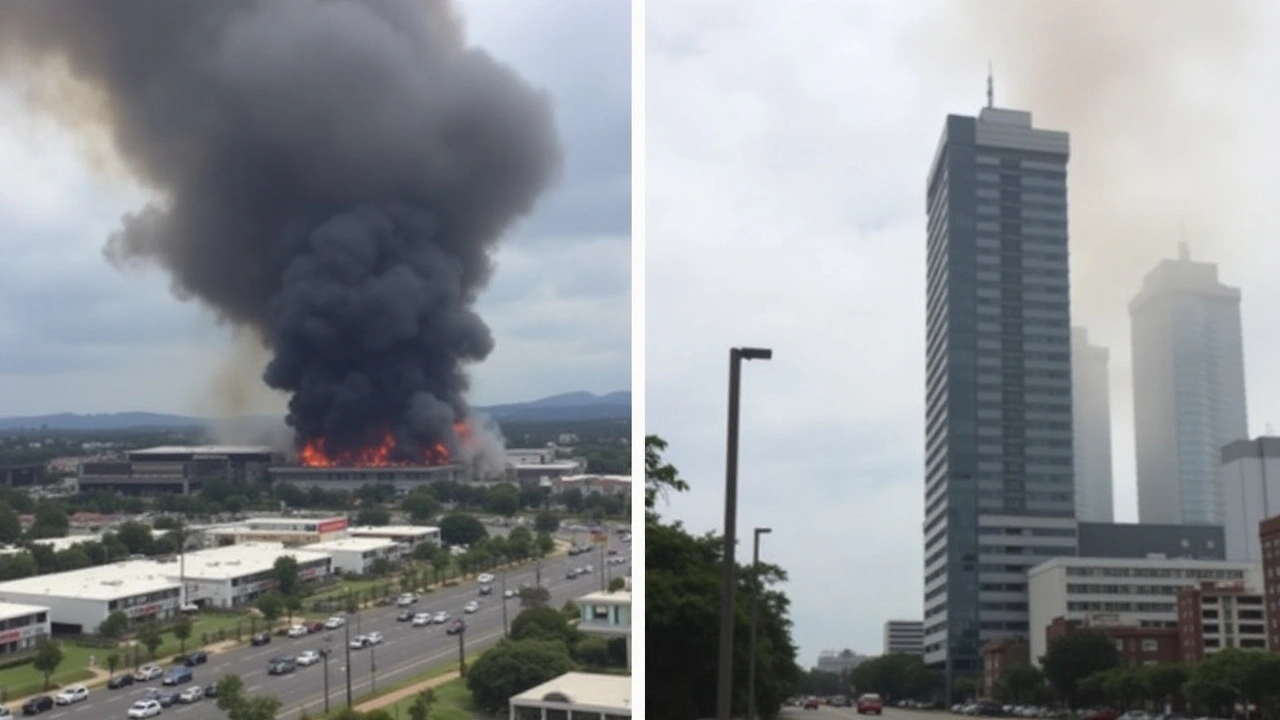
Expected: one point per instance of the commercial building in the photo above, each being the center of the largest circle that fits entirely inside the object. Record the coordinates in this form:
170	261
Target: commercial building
1137	644
593	484
1091	429
175	469
236	575
998	419
1250	479
545	472
79	600
904	636
404	479
356	555
997	656
22	475
1140	540
21	627
288	531
1214	616
1269	535
1188	389
607	614
1141	593
838	663
575	696
409	536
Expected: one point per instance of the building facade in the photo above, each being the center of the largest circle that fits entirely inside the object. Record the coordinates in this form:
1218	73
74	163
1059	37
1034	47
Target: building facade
839	663
904	636
404	479
175	469
356	555
575	696
22	627
1136	644
998	419
1214	616
1188	389
409	536
1250	479
1269	537
237	575
79	600
1140	540
997	656
288	531
1091	429
1138	593
607	614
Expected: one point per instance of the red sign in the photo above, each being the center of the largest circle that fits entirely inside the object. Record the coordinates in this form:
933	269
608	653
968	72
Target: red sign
332	526
10	636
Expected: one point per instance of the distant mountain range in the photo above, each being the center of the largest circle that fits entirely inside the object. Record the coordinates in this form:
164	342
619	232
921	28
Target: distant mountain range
570	406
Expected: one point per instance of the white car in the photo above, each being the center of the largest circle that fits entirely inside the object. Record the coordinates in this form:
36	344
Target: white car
484	578
375	638
421	619
440	618
307	657
191	694
297	631
471	607
73	694
335	622
144	709
148	672
508	593
406	599
360	642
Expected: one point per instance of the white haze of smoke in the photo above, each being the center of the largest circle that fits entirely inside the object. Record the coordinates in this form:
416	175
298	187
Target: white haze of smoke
486	451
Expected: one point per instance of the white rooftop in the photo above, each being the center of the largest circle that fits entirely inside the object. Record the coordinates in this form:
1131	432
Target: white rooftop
593	476
203	450
621	597
102	582
9	611
235	561
410	530
65	543
352	544
582	689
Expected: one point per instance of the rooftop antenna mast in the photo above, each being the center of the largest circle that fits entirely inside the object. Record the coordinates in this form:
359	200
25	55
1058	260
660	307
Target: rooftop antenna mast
991	87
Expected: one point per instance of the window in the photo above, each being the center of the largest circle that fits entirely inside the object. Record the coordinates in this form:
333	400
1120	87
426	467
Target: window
1150	645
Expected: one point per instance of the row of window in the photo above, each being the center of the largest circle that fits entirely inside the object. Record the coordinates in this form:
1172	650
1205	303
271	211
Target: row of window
146	599
1094	606
1033	532
1188	573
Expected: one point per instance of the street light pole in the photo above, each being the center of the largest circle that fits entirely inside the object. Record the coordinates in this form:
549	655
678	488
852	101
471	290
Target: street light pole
373	669
328	641
755	621
504	603
462	652
347	629
724	688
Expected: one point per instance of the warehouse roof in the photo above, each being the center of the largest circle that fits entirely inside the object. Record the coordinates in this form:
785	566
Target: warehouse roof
235	561
352	544
102	582
383	530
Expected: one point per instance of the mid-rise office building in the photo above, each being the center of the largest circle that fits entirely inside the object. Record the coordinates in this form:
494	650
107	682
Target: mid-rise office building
998	419
1141	540
1091	429
1250	481
904	636
1188	389
1215	616
1136	644
1269	536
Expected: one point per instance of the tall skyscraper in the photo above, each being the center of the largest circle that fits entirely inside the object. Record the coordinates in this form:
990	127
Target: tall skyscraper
998	444
1188	389
1091	411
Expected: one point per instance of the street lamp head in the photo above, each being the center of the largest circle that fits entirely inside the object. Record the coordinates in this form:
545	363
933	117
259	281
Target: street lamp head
755	353
763	531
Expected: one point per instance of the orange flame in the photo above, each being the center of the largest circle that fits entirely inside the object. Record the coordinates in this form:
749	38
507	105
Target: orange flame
315	454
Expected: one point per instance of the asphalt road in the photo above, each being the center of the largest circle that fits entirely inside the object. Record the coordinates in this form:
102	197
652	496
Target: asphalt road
405	651
826	712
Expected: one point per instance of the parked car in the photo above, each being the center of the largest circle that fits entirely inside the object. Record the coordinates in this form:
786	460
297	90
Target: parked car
144	709
334	622
375	638
280	666
178	676
315	627
870	704
199	657
811	703
191	694
119	681
297	631
37	705
71	695
307	657
260	639
508	593
405	616
211	690
148	672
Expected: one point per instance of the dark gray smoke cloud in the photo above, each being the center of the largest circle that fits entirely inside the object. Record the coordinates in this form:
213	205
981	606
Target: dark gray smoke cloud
334	175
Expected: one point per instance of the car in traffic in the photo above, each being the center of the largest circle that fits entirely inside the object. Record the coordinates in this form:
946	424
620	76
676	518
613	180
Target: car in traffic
457	626
440	618
260	639
199	657
405	616
870	704
313	628
811	703
71	695
297	631
144	709
484	578
281	666
334	622
178	676
37	705
571	574
191	694
307	657
471	607
421	619
486	589
406	599
164	697
508	593
148	672
120	681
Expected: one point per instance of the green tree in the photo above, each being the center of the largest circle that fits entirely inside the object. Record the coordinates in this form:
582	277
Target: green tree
48	658
897	676
113	662
520	542
1126	685
149	636
287	576
573	500
425	551
440	562
461	529
233	701
421	505
1166	682
182	631
534	597
1074	657
292	606
544	545
617	583
420	709
271	605
547	522
503	500
10	525
1022	684
511	667
660	477
374	516
114	626
592	652
135	536
543	623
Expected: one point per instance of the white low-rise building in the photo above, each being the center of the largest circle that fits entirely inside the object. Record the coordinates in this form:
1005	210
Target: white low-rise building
409	536
355	555
575	696
607	614
79	600
58	544
21	627
236	575
1137	592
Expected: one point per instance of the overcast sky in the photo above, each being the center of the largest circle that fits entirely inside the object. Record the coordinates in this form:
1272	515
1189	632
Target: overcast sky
78	335
787	150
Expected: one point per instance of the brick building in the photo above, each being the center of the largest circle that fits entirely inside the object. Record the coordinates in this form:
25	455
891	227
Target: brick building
998	655
1214	616
1269	534
1137	645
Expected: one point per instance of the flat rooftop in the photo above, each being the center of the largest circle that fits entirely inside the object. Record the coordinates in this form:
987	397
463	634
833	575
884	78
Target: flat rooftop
621	597
589	689
408	530
352	544
64	543
102	582
235	561
9	610
204	450
605	478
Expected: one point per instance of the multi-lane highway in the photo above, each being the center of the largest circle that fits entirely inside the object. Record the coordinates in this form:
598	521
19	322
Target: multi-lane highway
826	712
405	651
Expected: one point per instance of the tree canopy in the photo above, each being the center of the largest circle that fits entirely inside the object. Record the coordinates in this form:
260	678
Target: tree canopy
513	666
1074	657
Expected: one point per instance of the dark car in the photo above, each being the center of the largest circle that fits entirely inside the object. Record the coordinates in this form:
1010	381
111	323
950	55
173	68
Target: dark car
987	708
314	627
178	676
280	666
198	657
404	616
486	589
1106	714
166	699
119	681
37	705
260	639
456	627
811	703
211	690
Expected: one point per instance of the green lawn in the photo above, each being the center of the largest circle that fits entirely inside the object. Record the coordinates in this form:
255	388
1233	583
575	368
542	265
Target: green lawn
22	680
453	702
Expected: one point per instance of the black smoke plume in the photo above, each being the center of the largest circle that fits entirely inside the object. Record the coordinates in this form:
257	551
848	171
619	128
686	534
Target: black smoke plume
333	174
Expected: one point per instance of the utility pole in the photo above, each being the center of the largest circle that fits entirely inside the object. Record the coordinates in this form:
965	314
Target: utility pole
347	628
373	668
504	603
603	580
325	654
462	651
